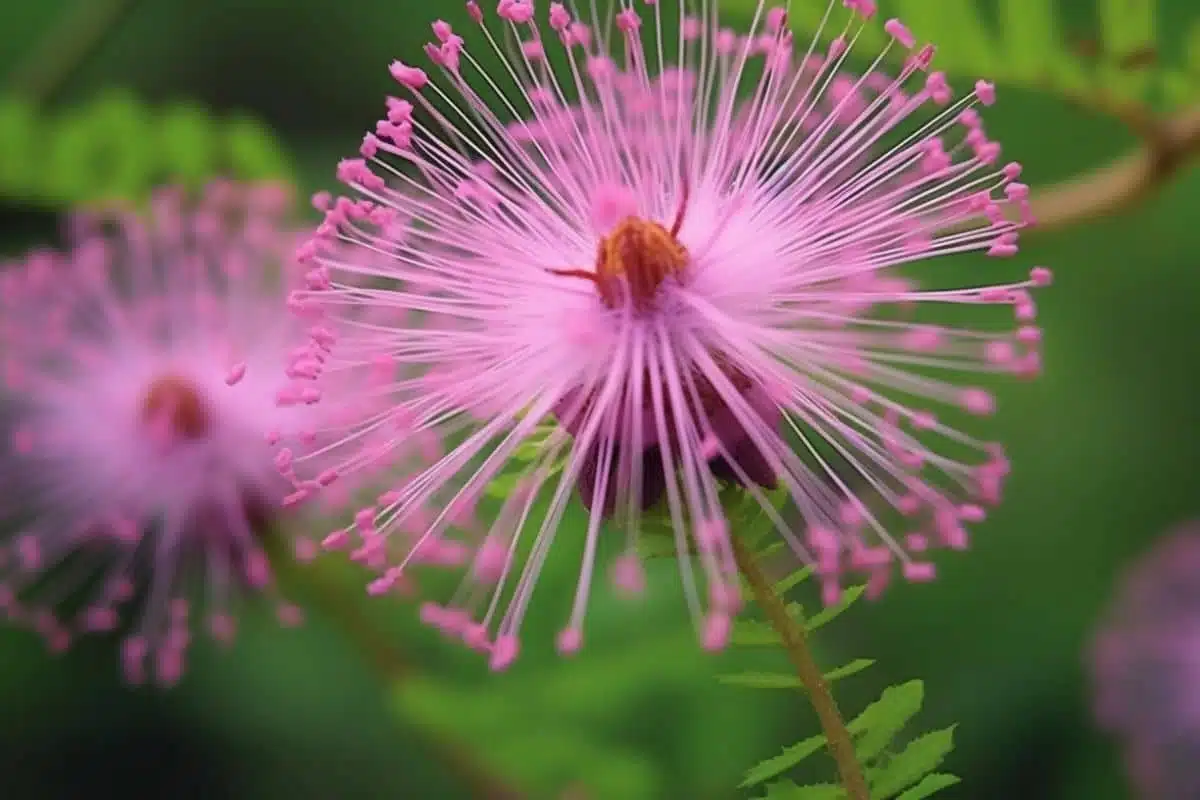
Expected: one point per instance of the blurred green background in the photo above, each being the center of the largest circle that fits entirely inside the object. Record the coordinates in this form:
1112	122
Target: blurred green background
1106	451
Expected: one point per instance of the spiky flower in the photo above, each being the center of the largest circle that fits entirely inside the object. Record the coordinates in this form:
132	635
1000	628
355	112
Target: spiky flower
140	384
1145	664
703	271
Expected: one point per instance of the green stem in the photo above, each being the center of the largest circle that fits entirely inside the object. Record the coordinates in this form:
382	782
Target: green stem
54	59
391	665
795	641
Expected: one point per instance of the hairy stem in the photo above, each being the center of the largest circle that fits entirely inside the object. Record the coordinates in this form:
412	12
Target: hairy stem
391	665
53	60
795	641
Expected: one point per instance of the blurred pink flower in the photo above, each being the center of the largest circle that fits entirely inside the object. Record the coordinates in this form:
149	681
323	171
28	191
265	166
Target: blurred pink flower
141	370
1145	664
701	271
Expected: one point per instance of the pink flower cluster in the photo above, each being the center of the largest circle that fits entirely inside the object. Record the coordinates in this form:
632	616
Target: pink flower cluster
139	371
705	270
1145	665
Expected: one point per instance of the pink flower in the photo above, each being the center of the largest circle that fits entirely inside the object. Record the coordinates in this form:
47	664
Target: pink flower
705	273
141	373
1145	664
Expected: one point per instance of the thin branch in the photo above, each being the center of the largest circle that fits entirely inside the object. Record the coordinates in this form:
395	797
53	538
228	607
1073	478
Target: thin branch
1170	146
78	34
795	641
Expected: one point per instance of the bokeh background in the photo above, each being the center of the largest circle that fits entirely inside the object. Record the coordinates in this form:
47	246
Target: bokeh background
1106	449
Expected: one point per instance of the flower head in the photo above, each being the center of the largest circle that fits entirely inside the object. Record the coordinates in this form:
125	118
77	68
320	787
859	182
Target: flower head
702	272
1145	664
141	377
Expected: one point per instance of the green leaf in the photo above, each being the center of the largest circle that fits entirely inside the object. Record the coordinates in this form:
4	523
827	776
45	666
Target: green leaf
1125	27
829	613
788	790
846	670
756	633
1031	38
503	484
878	724
1191	49
20	139
798	577
253	152
929	785
761	680
116	147
1178	87
102	152
919	758
964	43
187	138
788	759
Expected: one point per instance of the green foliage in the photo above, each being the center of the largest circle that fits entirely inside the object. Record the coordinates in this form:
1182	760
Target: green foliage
893	771
1117	57
115	147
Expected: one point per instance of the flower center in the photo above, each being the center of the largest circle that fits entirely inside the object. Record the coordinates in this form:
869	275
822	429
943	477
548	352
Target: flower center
176	403
635	259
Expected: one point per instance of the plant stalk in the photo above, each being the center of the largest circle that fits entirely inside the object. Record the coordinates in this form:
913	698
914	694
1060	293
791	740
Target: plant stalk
795	641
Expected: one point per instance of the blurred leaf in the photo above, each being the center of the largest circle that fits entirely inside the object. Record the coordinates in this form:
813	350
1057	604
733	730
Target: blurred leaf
1127	26
1031	37
964	43
762	680
20	137
1191	49
116	147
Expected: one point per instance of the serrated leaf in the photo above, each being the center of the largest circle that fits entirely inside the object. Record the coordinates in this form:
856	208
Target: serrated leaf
878	724
919	758
756	633
846	670
789	790
930	785
829	613
788	759
793	580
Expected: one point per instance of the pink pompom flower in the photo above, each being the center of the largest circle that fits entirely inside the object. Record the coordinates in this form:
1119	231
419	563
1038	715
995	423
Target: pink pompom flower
1145	665
140	384
705	273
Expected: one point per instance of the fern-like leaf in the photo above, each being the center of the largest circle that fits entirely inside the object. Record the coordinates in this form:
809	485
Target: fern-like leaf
889	771
1030	47
116	147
